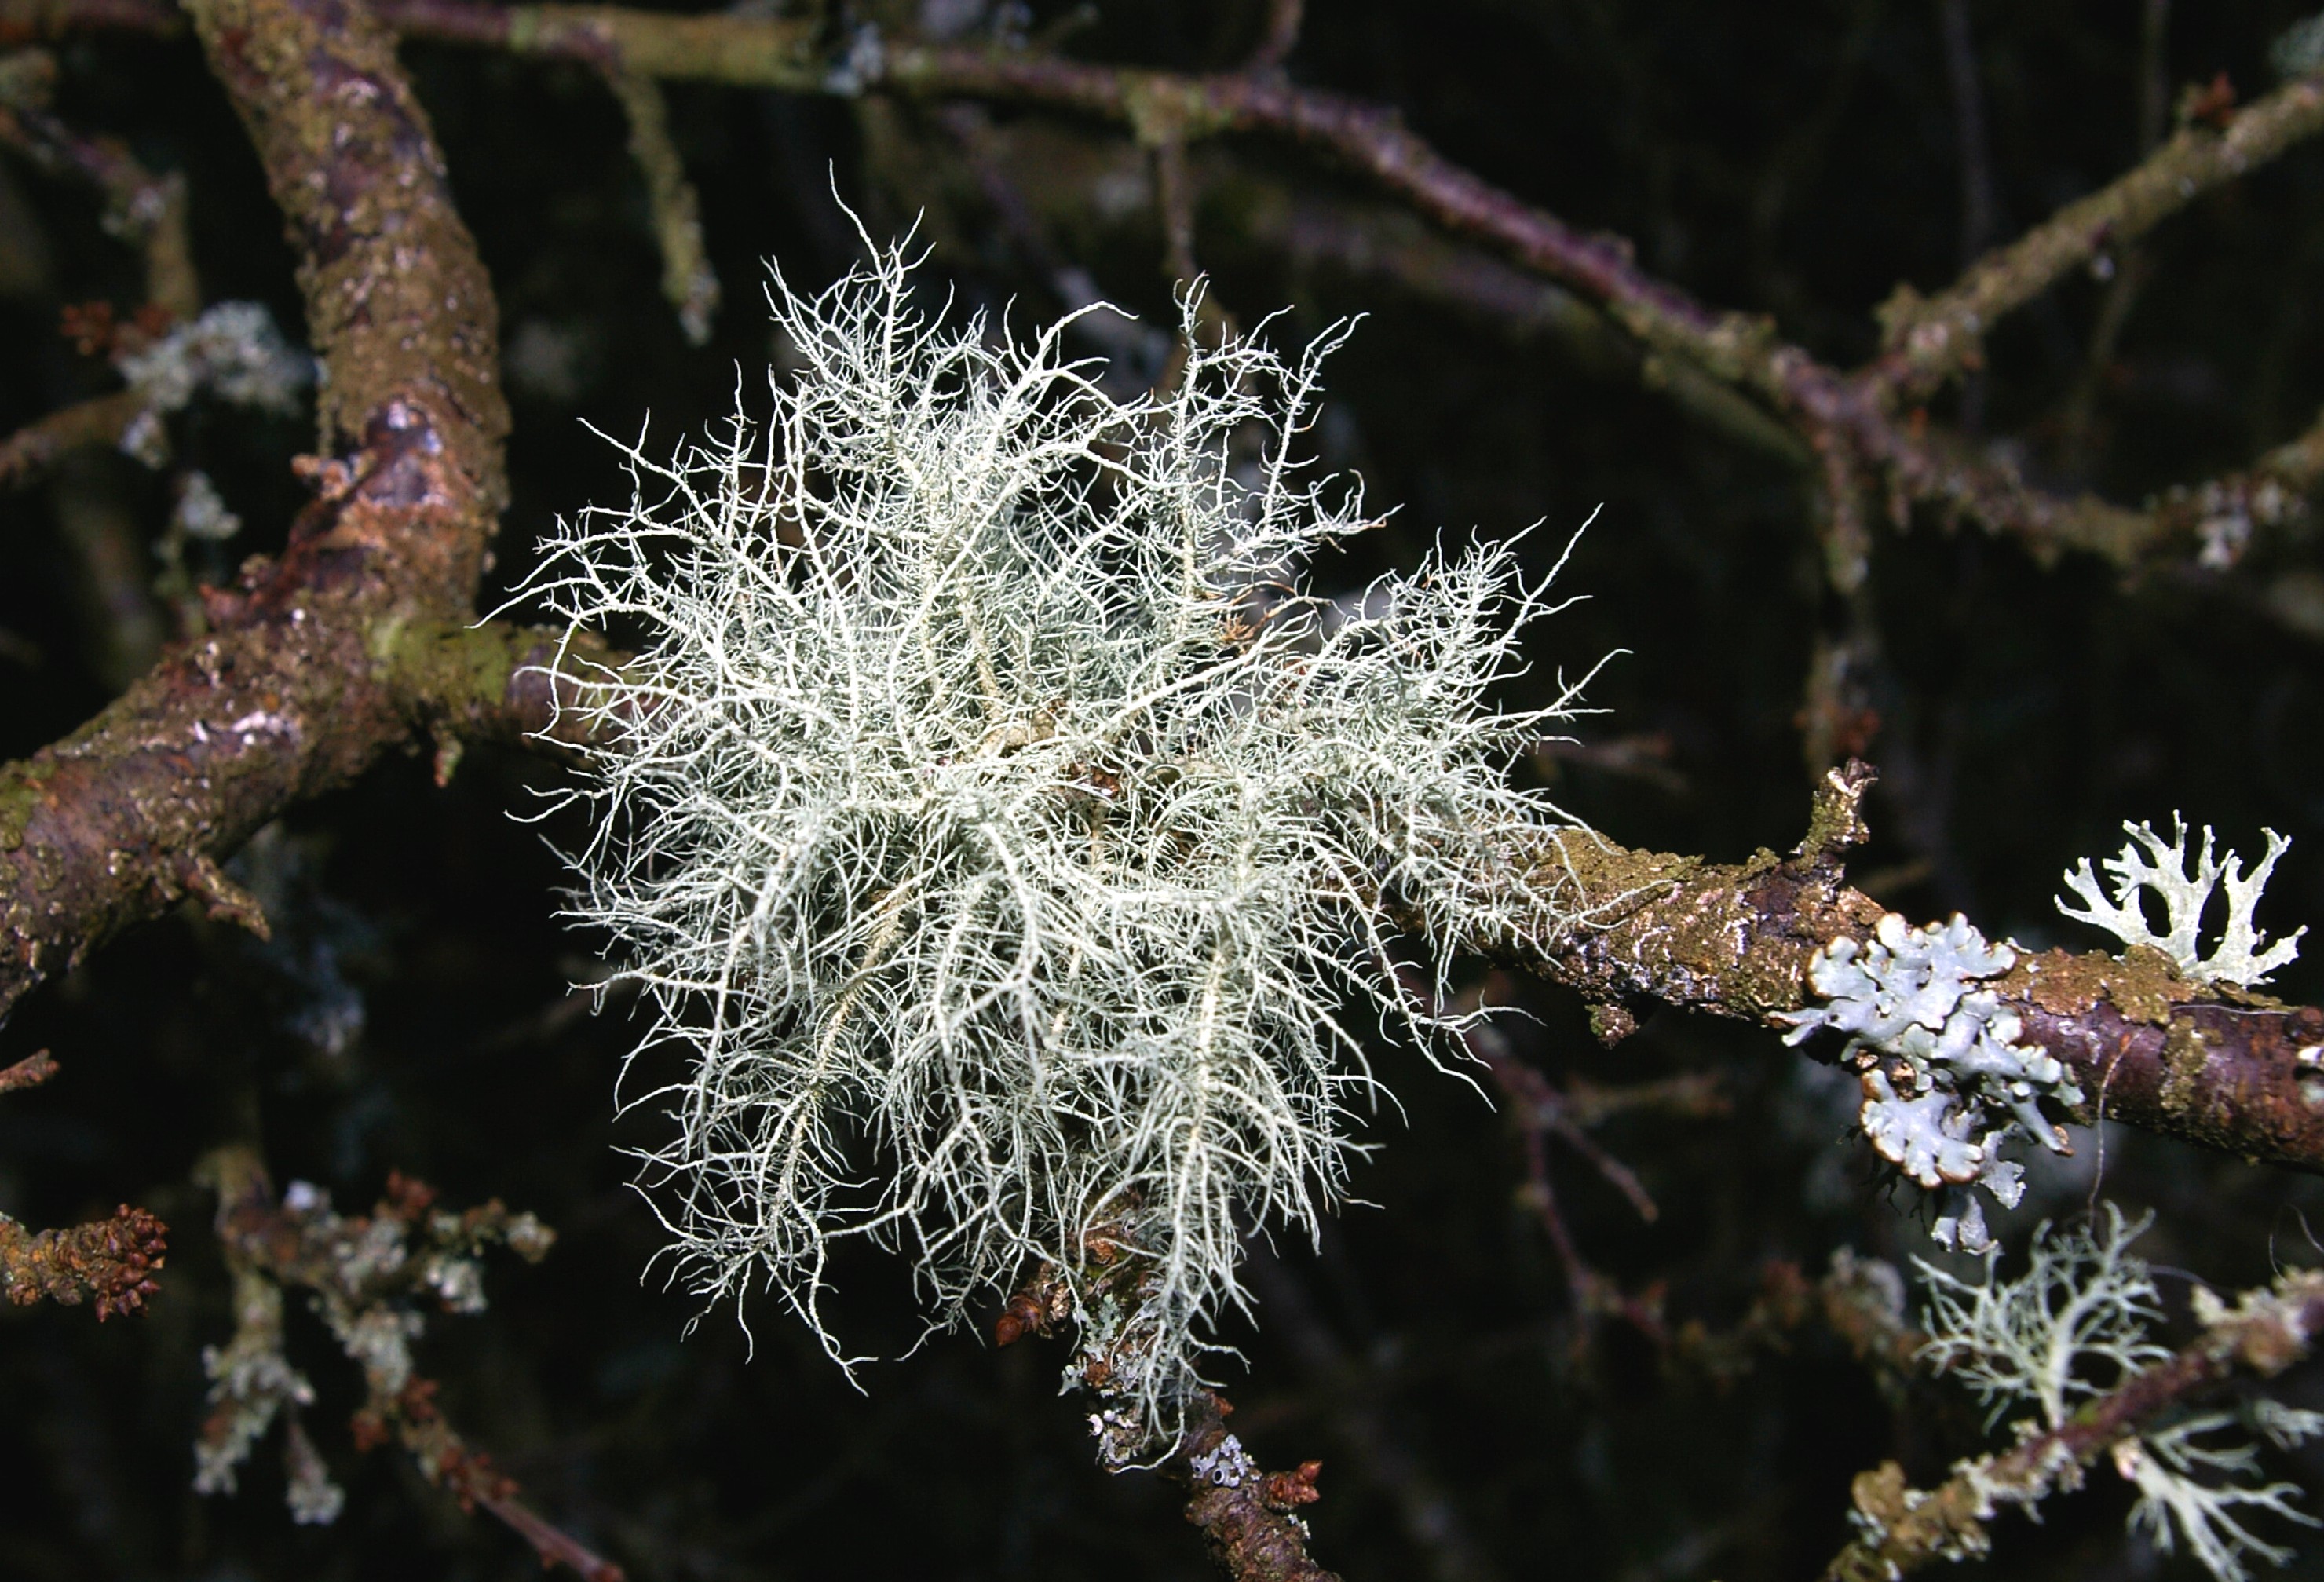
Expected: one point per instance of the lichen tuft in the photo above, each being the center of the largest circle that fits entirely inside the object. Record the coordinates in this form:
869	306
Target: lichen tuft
1008	837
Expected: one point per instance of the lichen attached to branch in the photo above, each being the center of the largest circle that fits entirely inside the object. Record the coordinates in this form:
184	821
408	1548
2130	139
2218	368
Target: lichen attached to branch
1005	831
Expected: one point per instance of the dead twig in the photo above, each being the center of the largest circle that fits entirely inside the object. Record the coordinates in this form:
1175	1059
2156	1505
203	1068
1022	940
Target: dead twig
1280	38
97	422
28	1072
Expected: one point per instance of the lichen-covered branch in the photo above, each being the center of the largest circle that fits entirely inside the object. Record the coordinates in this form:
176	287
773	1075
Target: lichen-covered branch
495	682
1902	1529
1928	339
2146	1046
1248	1517
364	1274
279	701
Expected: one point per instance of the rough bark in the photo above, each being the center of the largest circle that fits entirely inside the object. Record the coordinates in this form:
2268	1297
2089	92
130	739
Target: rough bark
284	697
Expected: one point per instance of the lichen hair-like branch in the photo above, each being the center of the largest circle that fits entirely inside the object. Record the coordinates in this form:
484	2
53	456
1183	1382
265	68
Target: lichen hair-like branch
1008	838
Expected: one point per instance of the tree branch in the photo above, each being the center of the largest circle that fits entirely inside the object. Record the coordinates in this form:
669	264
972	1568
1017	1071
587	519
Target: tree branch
1928	340
1848	419
2163	1052
279	701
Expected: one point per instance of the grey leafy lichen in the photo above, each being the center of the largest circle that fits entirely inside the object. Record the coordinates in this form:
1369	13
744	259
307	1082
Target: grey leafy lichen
2148	862
1007	837
1946	1083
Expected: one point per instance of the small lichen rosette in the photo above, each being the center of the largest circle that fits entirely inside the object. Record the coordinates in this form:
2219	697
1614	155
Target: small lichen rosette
1945	1081
1007	837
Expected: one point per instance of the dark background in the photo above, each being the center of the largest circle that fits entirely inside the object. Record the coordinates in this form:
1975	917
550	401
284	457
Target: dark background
414	1011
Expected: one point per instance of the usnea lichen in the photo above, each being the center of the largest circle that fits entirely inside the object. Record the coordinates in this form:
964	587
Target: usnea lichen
1006	834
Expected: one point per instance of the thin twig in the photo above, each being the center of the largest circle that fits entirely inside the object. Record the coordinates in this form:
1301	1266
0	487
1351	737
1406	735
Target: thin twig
2130	264
99	420
1174	196
148	209
1248	1517
28	1072
1930	339
1281	37
688	280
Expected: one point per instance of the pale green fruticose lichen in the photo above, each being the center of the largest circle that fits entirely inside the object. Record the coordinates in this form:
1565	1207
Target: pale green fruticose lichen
2075	1326
1945	1082
2242	957
1009	839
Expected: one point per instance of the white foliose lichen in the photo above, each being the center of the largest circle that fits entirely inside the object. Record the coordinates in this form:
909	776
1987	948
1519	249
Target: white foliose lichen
201	511
1005	832
1226	1464
2242	956
232	349
1945	1081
